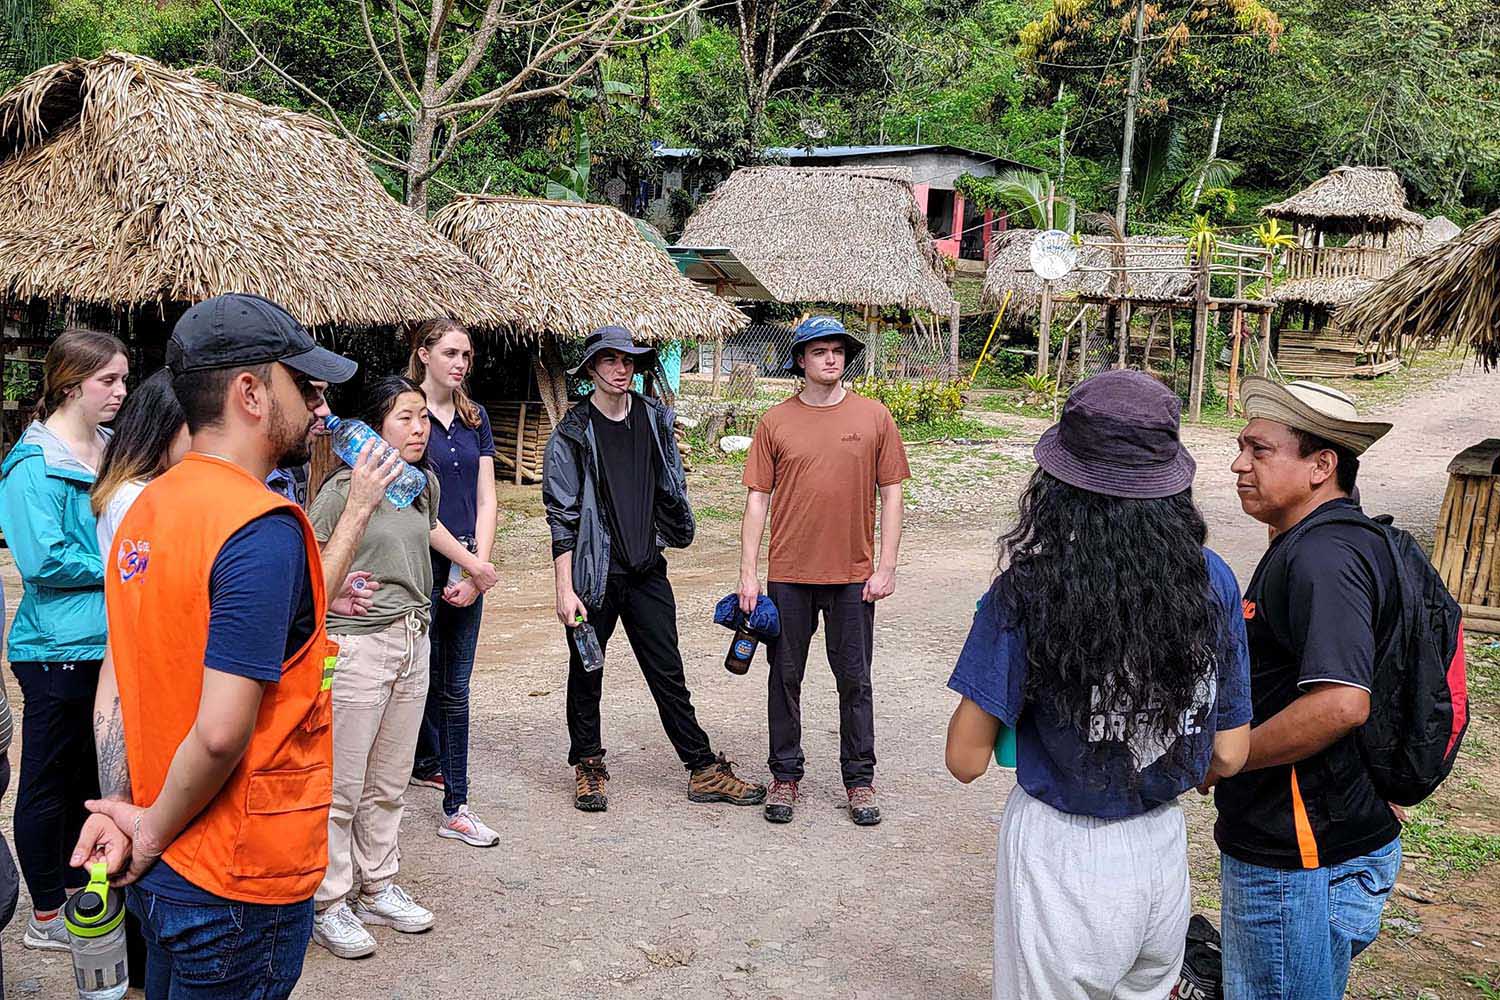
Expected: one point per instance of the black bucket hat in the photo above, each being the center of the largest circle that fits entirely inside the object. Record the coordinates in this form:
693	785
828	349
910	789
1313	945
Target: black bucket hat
1119	436
614	338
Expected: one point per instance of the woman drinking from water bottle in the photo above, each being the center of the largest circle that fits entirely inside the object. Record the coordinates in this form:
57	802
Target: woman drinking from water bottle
462	455
380	684
1112	643
57	638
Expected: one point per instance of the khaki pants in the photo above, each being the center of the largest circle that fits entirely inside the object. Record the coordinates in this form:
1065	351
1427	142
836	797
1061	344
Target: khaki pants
379	693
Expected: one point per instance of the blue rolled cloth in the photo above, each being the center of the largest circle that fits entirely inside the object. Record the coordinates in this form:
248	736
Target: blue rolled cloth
764	621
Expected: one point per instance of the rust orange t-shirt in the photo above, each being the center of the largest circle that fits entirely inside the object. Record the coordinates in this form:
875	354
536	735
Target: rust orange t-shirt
822	466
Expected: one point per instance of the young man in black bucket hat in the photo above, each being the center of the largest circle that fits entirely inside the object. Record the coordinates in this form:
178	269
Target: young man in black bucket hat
616	495
816	464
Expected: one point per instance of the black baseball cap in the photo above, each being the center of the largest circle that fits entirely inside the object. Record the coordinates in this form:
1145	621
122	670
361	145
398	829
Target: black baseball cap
236	329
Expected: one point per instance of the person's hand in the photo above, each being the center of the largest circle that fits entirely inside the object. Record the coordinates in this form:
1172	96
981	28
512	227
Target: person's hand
461	594
749	593
101	840
352	602
370	476
131	822
1212	778
570	608
879	586
483	574
1400	813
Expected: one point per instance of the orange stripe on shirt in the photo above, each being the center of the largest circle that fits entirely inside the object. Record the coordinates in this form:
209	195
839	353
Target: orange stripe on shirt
1305	842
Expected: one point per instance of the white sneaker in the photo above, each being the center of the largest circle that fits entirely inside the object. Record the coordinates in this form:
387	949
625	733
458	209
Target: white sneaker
392	907
47	935
464	825
340	931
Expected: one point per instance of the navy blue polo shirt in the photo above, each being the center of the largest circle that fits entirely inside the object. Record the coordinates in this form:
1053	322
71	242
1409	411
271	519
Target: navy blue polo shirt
453	454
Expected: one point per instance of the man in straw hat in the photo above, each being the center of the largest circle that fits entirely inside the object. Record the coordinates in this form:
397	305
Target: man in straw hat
615	493
1310	849
816	464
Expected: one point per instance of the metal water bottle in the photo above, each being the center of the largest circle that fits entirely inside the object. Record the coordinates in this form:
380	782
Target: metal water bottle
95	918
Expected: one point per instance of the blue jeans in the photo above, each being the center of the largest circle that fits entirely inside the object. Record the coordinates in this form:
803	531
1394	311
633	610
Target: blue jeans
1290	935
197	951
443	742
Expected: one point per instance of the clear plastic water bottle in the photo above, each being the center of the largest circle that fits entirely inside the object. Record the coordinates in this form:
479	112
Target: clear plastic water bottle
95	919
348	438
586	641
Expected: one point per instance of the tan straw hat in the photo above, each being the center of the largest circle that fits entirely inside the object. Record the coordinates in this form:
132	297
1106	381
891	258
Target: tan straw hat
1316	409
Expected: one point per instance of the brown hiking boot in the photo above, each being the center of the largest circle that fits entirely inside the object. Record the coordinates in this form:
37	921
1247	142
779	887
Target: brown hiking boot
717	783
781	800
593	788
863	808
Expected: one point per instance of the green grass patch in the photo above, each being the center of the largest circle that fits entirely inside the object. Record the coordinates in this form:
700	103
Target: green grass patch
1446	847
962	428
708	512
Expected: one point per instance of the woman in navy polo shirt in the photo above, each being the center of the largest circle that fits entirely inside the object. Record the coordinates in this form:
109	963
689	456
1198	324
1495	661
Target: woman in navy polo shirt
462	454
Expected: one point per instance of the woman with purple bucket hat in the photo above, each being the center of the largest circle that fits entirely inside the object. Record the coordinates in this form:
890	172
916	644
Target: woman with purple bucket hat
1111	642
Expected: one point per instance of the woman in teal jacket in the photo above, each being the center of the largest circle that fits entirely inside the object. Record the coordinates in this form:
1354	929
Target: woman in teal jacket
57	638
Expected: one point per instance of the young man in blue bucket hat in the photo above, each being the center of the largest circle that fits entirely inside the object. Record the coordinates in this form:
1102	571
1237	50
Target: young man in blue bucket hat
616	496
816	463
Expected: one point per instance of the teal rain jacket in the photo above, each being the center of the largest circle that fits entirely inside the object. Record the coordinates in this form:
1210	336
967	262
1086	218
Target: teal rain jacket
45	514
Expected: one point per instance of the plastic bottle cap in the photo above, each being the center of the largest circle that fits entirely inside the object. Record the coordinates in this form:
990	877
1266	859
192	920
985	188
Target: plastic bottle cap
89	904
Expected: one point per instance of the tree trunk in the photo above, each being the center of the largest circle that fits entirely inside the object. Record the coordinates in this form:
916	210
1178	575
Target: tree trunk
1213	150
418	158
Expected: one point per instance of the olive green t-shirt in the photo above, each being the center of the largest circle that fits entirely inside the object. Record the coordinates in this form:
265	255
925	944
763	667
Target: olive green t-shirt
394	550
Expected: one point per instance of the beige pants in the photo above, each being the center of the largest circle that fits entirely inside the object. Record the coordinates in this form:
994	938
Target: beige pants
379	692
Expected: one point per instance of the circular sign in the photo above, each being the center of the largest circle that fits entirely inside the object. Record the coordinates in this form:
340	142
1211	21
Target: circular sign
1053	254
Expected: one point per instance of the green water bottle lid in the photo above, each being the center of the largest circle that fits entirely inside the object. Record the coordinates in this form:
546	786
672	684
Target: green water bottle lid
94	911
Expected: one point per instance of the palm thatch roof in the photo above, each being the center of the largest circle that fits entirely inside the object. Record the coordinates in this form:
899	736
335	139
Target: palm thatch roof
1329	292
826	234
123	182
1348	199
1010	270
1451	292
1411	240
575	267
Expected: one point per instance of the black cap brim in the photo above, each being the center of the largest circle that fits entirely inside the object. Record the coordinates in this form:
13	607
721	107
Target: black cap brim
323	365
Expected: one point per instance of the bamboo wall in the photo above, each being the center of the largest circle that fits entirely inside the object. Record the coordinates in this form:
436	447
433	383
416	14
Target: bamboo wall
1468	534
521	431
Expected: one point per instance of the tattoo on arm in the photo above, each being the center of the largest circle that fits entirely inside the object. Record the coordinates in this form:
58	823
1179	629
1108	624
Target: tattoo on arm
114	769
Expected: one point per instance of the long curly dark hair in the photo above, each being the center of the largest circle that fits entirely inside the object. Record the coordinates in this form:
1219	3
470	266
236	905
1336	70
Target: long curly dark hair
1119	612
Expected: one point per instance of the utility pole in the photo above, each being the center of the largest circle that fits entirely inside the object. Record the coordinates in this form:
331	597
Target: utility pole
1130	98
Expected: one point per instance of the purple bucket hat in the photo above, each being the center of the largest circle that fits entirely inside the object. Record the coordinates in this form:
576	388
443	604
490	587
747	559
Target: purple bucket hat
1119	436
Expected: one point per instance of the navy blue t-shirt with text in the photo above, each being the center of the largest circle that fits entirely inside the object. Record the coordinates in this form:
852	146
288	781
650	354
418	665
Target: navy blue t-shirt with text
1100	773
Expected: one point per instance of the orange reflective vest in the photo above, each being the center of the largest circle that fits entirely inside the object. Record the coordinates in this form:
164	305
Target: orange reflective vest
264	837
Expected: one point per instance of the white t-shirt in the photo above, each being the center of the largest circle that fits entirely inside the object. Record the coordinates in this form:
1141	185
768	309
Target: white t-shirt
114	513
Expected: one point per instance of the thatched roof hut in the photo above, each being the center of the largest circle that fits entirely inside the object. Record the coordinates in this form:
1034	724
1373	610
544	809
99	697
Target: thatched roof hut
1010	270
1328	292
1403	241
124	183
1348	200
1411	240
1452	291
826	234
575	267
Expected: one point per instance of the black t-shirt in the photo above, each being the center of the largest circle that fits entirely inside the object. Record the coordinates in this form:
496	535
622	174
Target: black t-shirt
1317	612
628	460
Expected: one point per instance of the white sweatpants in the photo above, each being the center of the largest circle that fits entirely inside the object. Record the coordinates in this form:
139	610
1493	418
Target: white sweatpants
1089	909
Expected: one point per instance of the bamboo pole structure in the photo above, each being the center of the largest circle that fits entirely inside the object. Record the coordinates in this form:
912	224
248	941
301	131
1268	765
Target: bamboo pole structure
1237	325
1044	335
1200	341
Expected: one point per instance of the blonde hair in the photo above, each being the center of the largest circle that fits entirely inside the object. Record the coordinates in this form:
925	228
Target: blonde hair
73	357
425	337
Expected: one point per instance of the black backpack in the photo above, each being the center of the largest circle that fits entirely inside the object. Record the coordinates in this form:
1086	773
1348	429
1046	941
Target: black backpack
1202	975
1419	703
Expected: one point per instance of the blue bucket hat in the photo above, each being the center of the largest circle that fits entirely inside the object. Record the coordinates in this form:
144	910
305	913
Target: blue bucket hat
764	621
821	328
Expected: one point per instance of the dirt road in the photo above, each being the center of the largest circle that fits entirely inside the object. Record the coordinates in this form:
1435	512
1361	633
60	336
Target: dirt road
659	897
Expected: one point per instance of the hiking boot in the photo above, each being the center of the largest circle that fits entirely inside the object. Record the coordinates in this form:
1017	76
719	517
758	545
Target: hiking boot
717	783
781	801
433	780
592	795
863	808
392	907
464	825
340	931
47	935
